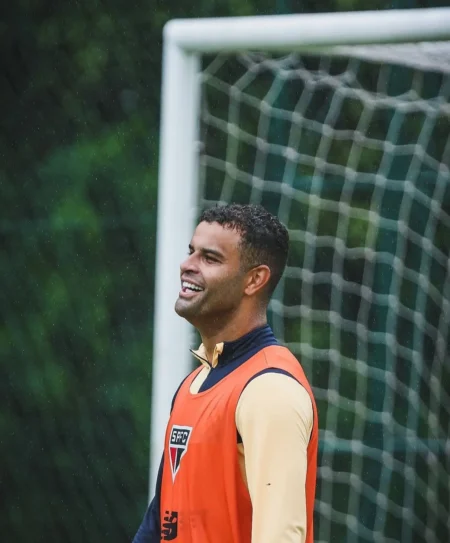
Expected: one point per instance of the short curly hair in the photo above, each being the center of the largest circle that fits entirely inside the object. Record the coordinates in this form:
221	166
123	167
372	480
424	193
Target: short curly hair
264	239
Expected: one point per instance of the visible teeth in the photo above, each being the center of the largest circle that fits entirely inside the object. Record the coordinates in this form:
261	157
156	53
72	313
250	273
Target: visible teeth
191	286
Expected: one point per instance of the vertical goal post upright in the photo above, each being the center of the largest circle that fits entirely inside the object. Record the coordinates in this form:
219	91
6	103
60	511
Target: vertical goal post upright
184	43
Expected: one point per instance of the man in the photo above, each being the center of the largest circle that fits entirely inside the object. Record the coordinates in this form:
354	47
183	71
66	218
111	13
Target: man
239	463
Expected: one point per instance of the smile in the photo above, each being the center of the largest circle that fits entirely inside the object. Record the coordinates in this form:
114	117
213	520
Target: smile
190	286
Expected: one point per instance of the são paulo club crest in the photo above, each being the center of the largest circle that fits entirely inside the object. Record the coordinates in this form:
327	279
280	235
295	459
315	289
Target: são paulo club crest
178	444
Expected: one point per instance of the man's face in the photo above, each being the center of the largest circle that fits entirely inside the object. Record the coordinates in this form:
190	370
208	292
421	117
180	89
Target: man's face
212	281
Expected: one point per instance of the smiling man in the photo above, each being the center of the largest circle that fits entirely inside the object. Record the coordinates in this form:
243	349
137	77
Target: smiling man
240	454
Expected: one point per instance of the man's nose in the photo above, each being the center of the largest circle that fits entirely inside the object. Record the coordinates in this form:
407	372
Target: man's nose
189	264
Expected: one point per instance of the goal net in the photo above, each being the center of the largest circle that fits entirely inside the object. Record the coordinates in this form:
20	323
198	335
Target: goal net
351	150
352	153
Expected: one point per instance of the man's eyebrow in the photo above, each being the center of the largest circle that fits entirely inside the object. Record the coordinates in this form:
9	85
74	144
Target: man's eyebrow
208	251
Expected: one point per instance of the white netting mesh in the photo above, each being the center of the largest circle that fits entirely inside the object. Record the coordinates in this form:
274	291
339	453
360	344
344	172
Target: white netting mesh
353	153
434	56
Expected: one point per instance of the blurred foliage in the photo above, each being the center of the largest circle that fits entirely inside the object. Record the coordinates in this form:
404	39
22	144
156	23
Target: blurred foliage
80	88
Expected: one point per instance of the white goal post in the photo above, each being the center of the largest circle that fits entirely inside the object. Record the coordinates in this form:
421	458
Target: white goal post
184	43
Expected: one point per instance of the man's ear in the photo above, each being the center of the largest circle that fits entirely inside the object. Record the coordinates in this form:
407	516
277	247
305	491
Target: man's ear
257	279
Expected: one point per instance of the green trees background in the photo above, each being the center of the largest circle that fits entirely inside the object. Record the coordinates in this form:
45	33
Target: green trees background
80	100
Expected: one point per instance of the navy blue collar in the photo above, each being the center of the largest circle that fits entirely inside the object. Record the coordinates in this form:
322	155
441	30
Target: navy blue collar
229	355
258	337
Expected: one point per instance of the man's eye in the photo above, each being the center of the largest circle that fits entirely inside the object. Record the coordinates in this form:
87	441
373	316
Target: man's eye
210	258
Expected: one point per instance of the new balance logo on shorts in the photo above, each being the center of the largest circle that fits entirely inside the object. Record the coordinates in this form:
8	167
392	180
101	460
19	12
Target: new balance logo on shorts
178	444
169	528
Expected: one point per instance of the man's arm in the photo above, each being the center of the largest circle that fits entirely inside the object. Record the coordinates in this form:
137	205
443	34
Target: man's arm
150	528
274	418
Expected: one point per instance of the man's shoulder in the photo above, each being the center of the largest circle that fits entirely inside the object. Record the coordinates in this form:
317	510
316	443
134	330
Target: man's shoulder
186	382
275	355
278	359
275	395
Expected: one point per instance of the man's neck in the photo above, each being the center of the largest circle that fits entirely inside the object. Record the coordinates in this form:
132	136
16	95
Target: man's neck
230	332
